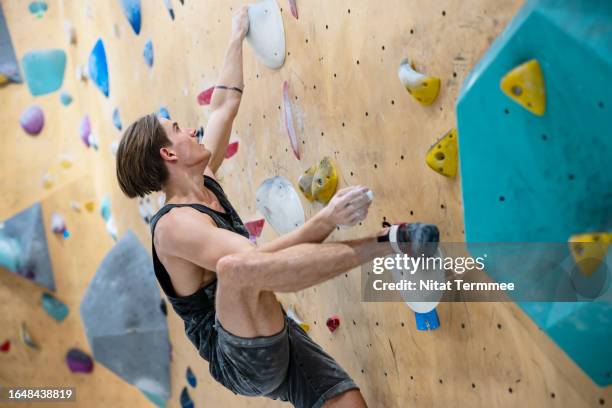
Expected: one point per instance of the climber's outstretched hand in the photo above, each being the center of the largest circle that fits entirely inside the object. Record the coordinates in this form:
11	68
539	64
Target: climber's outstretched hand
240	23
349	206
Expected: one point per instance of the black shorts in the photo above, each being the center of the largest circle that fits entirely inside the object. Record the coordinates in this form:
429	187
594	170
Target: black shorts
288	366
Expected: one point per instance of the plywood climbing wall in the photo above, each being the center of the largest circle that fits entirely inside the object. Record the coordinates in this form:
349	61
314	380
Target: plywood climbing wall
341	65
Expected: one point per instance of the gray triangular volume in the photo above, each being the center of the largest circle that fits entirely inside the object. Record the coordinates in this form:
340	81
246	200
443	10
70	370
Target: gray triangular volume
8	62
126	329
24	248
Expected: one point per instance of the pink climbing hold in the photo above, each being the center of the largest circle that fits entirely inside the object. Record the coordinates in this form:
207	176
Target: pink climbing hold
333	322
293	7
85	130
255	227
32	120
205	96
231	150
289	121
6	346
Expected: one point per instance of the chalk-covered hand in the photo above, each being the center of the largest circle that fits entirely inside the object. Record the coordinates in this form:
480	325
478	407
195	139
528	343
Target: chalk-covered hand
349	206
240	23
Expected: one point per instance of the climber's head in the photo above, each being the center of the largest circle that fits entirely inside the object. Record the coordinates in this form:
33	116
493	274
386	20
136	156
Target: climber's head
151	150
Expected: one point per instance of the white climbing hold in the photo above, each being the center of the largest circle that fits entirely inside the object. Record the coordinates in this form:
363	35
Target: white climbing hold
69	32
280	205
58	225
422	301
266	33
81	73
75	206
114	146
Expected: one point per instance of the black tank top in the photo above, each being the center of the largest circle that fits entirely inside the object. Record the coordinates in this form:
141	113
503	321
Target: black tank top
198	309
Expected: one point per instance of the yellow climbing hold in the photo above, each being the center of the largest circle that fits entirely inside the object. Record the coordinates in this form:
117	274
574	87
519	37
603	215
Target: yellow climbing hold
305	182
589	250
325	181
423	88
3	79
89	206
442	157
525	86
48	180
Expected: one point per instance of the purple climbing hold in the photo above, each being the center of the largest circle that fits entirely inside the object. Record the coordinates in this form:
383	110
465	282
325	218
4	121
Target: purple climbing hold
32	120
78	361
85	130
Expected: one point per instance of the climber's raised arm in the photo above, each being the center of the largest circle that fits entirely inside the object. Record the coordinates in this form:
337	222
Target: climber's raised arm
228	93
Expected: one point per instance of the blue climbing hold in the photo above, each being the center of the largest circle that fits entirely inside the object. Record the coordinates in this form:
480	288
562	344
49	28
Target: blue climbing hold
44	70
117	119
55	308
65	98
163	113
148	53
191	379
98	69
131	9
168	4
186	401
427	321
38	8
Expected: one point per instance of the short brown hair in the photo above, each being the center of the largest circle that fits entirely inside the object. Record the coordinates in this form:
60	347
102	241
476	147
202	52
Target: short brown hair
140	168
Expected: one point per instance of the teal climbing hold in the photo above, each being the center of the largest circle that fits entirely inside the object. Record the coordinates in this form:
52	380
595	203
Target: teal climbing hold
44	70
191	378
98	69
54	307
131	9
148	53
156	399
38	8
186	401
65	98
105	208
10	252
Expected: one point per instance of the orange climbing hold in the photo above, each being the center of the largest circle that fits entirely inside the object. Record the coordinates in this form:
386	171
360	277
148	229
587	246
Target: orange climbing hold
525	86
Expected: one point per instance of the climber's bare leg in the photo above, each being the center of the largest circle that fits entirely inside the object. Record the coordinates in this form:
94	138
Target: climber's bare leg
246	305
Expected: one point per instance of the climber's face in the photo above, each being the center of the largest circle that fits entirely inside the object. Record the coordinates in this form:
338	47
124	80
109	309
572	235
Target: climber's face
185	149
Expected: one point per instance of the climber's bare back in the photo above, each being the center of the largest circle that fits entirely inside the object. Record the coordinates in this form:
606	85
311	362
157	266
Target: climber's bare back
186	276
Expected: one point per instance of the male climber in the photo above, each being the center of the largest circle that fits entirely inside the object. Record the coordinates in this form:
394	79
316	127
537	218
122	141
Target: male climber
221	284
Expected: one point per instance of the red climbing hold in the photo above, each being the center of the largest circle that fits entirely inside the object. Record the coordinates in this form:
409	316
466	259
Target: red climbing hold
205	96
6	346
255	227
333	323
231	150
293	7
